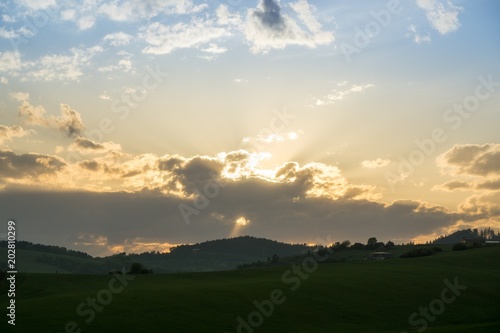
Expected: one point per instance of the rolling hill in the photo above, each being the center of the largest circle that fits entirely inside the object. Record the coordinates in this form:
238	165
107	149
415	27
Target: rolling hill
222	254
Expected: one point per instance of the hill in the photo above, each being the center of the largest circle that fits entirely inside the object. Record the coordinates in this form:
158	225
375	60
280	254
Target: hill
222	254
457	236
460	288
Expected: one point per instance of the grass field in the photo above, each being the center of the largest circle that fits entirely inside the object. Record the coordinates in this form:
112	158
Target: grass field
357	296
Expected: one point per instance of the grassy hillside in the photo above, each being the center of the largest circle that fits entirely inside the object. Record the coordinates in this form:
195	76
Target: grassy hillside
222	254
358	296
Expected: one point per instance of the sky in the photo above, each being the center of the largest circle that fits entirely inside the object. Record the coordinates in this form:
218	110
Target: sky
131	125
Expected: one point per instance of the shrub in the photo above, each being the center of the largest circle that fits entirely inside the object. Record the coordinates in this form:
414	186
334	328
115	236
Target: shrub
459	247
417	253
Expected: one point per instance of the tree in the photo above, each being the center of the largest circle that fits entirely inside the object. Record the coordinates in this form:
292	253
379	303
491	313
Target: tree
136	268
371	244
389	245
346	243
275	259
357	246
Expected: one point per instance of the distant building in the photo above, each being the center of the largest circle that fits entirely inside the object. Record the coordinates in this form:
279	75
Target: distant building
472	240
380	255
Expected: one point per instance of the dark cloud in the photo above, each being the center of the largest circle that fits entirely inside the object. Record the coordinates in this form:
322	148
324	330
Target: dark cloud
456	185
473	159
89	165
69	122
29	165
483	205
170	163
196	171
270	15
87	144
489	185
279	211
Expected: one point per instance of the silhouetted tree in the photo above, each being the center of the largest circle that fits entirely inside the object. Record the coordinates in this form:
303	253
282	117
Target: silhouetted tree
357	246
138	268
275	259
371	244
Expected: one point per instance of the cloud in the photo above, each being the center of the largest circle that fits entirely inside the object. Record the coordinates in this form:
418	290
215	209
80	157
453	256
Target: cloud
20	96
36	5
130	10
339	94
7	133
225	17
49	67
101	244
417	38
30	165
489	185
270	15
268	28
117	39
472	159
454	185
214	49
8	19
442	17
138	197
14	34
377	163
124	65
123	10
10	62
164	39
69	122
62	67
86	146
483	205
272	138
479	164
120	217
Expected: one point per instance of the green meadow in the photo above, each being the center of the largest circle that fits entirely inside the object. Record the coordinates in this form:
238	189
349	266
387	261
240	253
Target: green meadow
352	296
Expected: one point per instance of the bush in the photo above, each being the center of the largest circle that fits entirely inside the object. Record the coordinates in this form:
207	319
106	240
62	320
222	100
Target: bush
459	247
138	268
417	253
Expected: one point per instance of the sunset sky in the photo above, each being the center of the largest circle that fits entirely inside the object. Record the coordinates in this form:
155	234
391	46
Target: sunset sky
131	125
